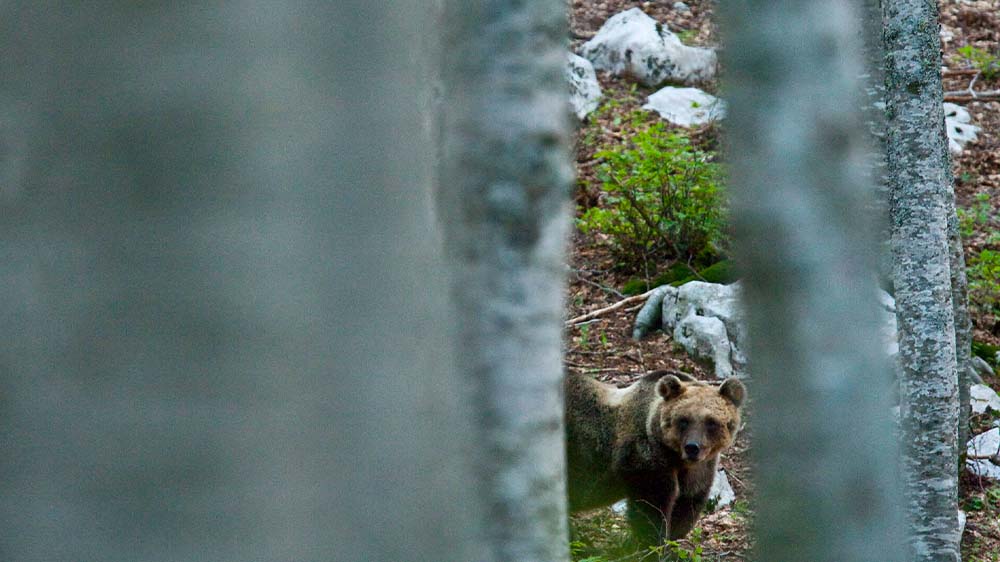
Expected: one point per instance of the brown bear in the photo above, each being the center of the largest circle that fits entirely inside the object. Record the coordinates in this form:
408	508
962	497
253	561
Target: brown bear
655	443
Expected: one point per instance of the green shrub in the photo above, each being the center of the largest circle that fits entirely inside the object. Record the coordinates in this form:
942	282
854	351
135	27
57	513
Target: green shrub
978	214
663	201
983	61
984	281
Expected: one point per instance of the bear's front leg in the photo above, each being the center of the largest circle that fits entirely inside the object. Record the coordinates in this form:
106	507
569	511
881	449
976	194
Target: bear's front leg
686	511
650	509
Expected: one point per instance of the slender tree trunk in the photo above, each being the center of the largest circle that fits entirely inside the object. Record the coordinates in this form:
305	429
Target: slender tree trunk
821	411
922	200
963	322
504	201
225	322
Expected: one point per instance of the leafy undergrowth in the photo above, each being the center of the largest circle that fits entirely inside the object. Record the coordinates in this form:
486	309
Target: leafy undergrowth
661	199
602	536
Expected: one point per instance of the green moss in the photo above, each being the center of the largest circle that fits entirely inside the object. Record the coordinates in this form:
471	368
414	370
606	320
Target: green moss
986	351
674	273
679	274
721	272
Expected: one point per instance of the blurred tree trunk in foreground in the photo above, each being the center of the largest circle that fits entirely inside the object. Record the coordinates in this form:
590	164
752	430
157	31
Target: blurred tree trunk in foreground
226	333
928	276
824	444
504	201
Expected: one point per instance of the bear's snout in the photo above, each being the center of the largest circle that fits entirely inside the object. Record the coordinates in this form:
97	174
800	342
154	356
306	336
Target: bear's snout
691	450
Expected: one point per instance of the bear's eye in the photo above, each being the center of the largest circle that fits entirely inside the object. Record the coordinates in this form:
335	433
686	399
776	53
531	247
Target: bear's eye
712	426
683	423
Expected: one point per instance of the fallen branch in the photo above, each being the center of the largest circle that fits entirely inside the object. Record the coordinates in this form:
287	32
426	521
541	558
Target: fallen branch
591	368
970	94
965	98
607	309
582	279
959	72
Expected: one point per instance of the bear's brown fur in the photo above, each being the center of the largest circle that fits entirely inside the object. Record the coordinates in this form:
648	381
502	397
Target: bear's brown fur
655	443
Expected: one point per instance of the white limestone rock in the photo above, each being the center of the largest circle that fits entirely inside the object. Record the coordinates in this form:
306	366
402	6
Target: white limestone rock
650	318
886	301
706	338
705	319
721	492
687	107
982	398
958	122
633	43
984	445
620	507
887	323
981	367
584	90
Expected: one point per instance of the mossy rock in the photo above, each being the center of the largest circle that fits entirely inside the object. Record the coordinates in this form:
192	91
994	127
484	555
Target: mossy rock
986	351
640	285
679	274
720	272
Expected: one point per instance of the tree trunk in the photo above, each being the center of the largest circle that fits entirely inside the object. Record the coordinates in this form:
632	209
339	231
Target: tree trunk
873	110
504	203
920	184
963	322
225	322
823	439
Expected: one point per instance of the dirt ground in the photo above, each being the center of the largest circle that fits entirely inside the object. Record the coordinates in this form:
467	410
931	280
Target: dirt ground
603	347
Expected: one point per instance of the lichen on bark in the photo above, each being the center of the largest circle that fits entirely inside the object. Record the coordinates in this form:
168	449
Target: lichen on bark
921	203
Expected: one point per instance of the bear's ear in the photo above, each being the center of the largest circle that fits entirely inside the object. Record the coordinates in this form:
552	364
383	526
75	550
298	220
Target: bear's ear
734	391
669	387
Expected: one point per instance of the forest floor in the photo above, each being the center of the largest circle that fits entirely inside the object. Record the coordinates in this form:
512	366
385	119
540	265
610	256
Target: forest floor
603	348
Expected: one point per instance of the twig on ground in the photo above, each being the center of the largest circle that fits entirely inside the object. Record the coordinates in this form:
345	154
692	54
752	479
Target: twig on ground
959	72
735	479
963	96
973	83
607	309
577	274
591	368
633	359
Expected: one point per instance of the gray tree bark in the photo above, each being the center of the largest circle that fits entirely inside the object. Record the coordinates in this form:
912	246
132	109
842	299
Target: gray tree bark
960	309
873	110
823	438
921	202
504	201
225	323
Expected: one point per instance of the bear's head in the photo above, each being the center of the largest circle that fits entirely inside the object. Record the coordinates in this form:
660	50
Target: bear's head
697	420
